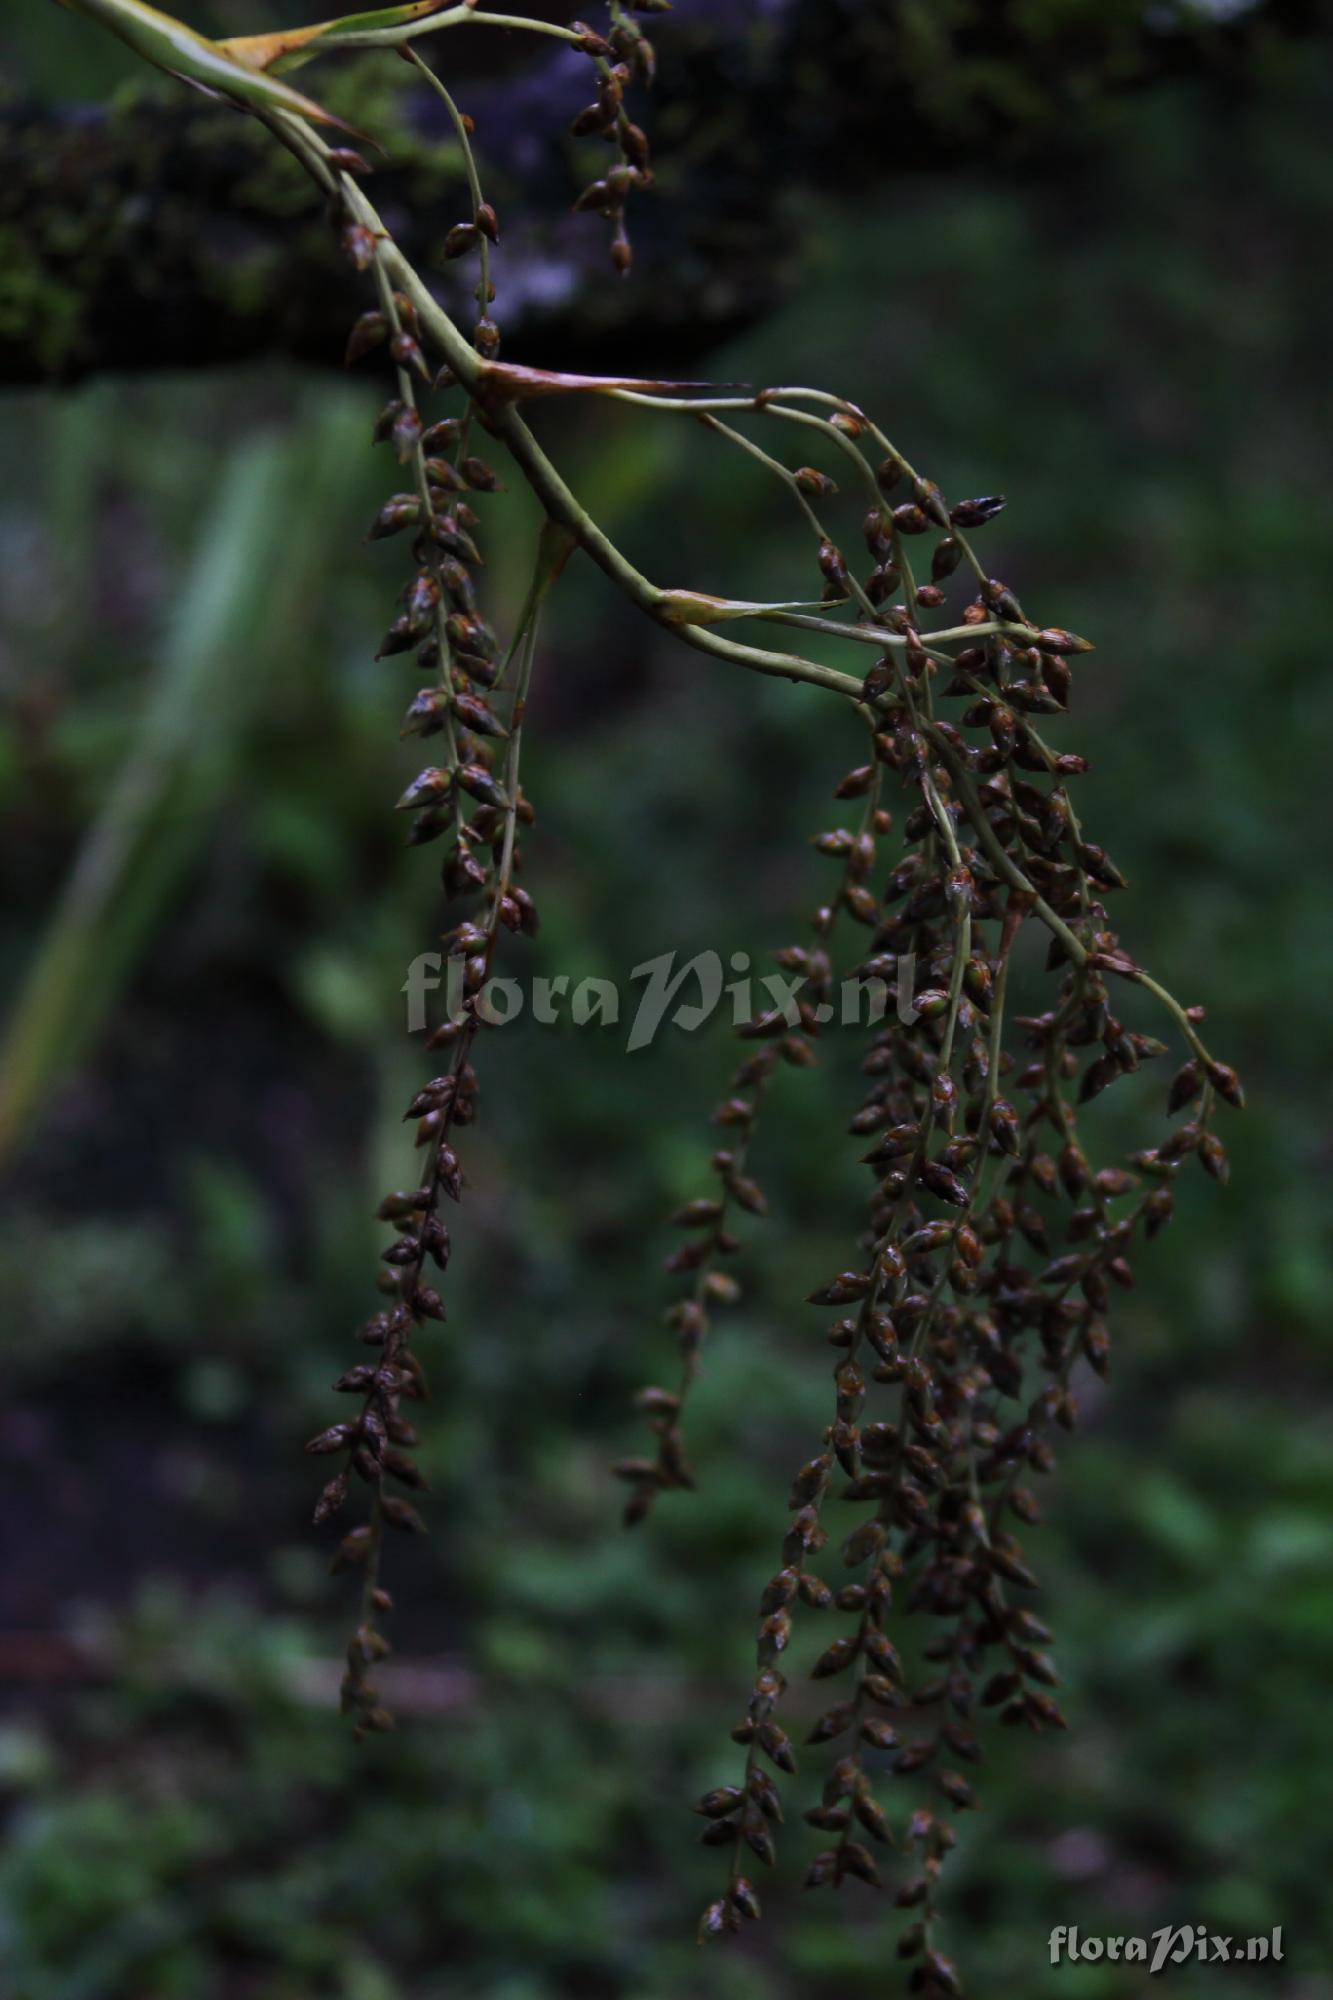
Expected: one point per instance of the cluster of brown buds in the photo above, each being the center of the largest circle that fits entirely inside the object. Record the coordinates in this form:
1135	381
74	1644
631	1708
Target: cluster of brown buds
785	1034
994	1242
471	803
623	57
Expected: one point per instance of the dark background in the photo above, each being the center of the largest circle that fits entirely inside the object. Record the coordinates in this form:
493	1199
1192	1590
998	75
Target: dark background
207	919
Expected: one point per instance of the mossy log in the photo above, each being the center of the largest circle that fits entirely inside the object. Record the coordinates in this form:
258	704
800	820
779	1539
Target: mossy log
163	231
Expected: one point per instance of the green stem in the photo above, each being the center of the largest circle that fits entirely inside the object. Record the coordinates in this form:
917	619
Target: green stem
453	17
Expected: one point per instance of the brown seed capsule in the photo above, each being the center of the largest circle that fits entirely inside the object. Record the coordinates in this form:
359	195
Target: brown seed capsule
479	783
335	1438
331	1497
833	566
464	236
1055	640
635	142
975	513
744	1898
713	1922
835	1658
360	246
1227	1084
352	1549
775	1743
367	333
841	1290
833	1723
406	433
407	354
941	1972
884	1655
817	485
822	1869
428	786
947	555
717	1804
402	511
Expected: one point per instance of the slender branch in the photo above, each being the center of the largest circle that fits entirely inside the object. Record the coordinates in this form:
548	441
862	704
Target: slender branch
464	15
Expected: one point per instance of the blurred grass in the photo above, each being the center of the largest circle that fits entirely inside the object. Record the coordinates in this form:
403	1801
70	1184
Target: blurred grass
1136	355
230	631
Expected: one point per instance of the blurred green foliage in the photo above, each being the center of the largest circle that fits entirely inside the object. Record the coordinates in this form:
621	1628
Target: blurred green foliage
1134	351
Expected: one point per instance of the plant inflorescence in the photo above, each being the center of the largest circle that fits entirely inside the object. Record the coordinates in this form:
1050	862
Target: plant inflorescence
995	1237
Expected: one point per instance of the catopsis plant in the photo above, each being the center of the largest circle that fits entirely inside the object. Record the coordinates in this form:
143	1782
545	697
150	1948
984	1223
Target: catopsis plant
996	1232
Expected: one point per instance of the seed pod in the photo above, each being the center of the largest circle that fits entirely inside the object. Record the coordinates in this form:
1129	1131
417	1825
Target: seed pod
822	1869
933	1237
717	1804
428	786
442	436
331	1497
764	1793
402	511
335	1438
941	1971
359	246
833	1723
464	236
848	1285
1055	640
748	1194
835	1658
883	1654
817	485
352	1549
406	433
743	1897
407	354
479	783
1227	1084
1042	1712
1097	1076
713	1922
696	1213
367	333
975	513
480	476
775	1743
400	1514
945	559
857	1860
635	142
939	1181
833	566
